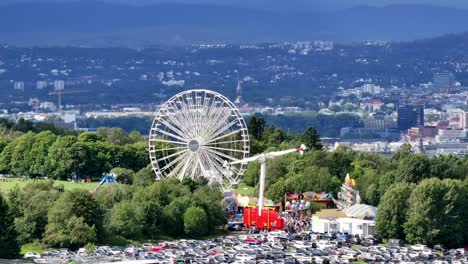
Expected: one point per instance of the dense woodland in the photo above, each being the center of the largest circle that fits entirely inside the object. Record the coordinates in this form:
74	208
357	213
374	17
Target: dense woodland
420	199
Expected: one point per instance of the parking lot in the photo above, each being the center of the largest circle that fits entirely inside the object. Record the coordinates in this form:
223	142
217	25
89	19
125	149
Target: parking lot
272	247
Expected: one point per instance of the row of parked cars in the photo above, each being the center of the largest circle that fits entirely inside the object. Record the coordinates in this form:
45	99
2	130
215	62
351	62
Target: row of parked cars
272	247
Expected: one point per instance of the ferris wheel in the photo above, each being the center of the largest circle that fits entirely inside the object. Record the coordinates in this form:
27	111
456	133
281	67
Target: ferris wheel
194	133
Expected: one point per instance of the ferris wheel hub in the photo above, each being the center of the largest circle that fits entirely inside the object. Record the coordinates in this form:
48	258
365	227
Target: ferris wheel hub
194	146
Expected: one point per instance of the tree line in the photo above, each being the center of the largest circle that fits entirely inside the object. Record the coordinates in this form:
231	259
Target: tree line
46	154
144	211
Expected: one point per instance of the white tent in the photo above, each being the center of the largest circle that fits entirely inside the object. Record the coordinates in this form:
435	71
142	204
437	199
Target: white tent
361	211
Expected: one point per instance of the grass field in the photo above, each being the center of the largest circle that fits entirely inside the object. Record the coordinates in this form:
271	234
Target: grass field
244	189
12	182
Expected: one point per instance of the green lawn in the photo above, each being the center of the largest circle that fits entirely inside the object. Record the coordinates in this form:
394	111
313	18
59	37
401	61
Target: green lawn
243	189
12	182
35	247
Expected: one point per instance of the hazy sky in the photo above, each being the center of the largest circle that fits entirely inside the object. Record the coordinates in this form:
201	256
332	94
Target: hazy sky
265	4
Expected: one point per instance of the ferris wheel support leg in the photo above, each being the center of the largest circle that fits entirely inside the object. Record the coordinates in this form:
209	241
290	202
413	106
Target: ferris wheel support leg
262	185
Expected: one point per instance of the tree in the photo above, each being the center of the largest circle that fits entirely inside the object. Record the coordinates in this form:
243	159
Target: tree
413	168
195	221
393	209
256	127
9	247
20	158
127	220
74	220
39	152
437	213
144	177
33	219
123	175
311	139
252	174
6	156
172	216
60	159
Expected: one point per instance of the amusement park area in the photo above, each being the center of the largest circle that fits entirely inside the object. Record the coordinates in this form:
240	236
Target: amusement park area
303	212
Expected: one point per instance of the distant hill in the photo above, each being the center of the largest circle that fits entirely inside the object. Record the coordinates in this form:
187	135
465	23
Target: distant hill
104	24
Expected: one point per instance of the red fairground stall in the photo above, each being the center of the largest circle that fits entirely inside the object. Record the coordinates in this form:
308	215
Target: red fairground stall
268	220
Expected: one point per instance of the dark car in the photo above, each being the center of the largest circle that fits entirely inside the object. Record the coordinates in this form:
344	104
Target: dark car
393	242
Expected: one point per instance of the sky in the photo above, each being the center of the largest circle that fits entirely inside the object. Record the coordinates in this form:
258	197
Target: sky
289	4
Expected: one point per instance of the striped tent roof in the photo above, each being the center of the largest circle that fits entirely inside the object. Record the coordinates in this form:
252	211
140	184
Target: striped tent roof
361	211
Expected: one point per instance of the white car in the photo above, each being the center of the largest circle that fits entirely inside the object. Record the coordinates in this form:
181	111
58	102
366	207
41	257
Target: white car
32	255
244	257
418	247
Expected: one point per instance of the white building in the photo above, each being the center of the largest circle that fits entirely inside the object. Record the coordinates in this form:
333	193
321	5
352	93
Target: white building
18	86
464	120
59	85
41	85
352	226
450	135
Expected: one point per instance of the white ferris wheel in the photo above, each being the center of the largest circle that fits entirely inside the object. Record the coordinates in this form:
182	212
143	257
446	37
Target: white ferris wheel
194	133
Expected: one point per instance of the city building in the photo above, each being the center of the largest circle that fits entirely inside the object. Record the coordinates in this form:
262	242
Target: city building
464	120
415	133
443	81
410	116
451	135
41	85
59	85
18	86
379	120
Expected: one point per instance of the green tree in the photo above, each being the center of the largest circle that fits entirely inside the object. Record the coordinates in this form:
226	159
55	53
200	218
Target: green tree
252	174
123	175
9	247
20	159
144	177
33	219
195	221
74	220
413	168
311	139
437	213
172	216
256	127
60	159
6	158
127	220
39	152
393	210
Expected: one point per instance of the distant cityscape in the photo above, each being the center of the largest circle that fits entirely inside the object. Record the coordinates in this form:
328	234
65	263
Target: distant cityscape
396	102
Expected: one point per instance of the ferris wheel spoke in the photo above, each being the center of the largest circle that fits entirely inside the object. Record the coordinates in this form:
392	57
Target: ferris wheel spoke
171	135
218	117
179	132
173	154
226	149
180	118
223	129
221	118
169	141
224	142
220	162
179	122
166	149
176	169
168	165
225	135
222	154
186	165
